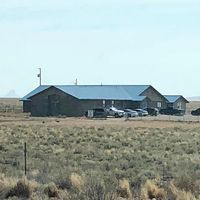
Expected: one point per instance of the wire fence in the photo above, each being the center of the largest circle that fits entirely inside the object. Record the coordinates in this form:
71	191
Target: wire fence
185	118
11	109
41	169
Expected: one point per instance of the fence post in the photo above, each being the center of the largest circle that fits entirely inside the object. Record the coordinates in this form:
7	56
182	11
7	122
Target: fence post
25	152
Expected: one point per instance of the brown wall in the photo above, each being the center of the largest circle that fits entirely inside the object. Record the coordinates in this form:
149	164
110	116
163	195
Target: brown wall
26	106
183	104
154	96
120	104
69	105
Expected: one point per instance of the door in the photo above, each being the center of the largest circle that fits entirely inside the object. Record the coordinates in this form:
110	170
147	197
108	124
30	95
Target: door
54	105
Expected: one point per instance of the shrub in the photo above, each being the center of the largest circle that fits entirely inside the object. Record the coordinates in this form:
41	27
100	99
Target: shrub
180	194
150	191
124	189
51	190
5	185
21	189
77	181
95	191
64	184
188	183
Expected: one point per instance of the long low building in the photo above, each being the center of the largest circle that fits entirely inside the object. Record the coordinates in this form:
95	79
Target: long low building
75	100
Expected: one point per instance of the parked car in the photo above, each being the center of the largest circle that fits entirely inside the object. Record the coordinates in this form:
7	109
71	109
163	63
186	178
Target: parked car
196	112
172	111
112	111
131	113
152	111
141	112
96	113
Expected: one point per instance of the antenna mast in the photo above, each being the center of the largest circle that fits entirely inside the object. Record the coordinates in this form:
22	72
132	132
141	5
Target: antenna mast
40	76
76	82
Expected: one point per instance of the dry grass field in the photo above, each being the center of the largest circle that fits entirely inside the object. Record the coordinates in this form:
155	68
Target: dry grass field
10	105
72	158
10	101
192	106
77	158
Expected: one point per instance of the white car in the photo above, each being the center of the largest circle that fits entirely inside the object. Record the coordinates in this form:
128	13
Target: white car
131	113
112	111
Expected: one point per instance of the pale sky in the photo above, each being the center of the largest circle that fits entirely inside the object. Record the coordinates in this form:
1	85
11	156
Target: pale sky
153	42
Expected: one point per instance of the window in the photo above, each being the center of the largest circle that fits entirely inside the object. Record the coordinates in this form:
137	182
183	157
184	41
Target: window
159	104
179	105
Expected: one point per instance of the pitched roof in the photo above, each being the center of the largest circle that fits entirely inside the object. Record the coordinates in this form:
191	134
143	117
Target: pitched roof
174	98
34	92
107	92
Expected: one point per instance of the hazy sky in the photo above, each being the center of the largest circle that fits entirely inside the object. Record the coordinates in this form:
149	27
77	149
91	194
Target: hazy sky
153	42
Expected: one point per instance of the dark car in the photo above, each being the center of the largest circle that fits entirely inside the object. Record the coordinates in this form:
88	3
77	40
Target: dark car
96	113
152	111
196	112
172	111
141	112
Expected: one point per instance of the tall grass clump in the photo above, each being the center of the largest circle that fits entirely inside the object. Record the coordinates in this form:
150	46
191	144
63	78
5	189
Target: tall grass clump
94	190
124	190
178	194
5	185
22	189
77	181
51	190
151	191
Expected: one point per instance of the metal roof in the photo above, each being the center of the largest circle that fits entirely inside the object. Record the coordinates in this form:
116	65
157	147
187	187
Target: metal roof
174	98
107	92
34	92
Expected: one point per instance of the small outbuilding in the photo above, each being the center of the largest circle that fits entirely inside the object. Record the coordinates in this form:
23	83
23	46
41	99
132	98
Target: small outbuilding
176	102
75	100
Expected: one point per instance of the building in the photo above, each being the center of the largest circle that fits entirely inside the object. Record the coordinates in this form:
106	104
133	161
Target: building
75	100
176	102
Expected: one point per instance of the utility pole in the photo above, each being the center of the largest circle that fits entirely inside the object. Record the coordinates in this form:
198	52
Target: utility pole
40	76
